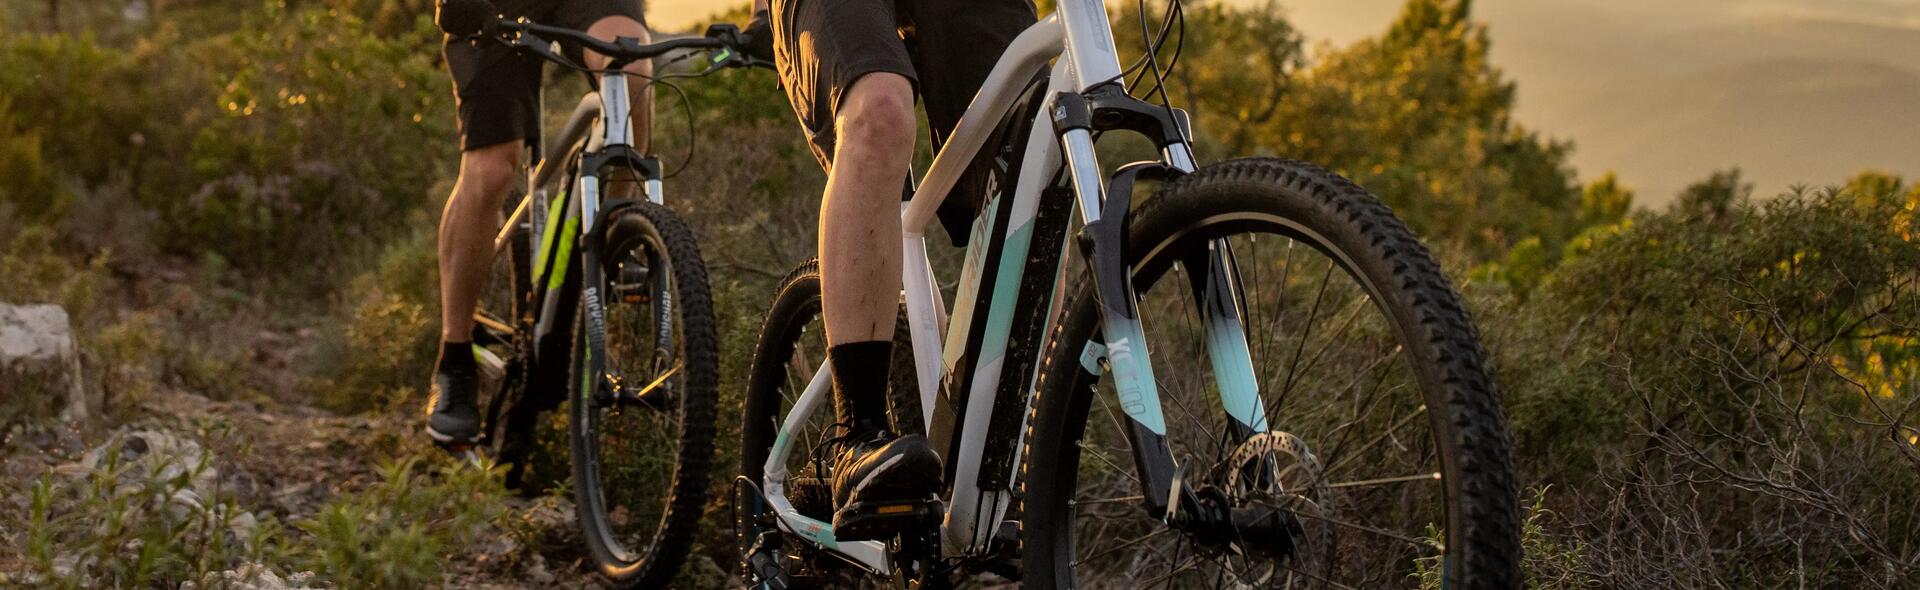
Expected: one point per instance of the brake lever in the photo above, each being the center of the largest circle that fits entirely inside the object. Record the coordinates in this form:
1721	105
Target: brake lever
731	56
528	41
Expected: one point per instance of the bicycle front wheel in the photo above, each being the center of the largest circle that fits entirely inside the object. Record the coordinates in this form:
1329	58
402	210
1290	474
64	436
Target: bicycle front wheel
1372	452
643	441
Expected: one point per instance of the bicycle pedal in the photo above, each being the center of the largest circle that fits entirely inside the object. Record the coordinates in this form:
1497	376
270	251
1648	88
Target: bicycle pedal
465	451
869	521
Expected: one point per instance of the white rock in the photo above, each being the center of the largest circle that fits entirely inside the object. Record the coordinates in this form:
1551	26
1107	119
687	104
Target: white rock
37	340
253	576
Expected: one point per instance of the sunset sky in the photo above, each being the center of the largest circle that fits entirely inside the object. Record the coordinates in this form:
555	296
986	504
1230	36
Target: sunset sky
1666	91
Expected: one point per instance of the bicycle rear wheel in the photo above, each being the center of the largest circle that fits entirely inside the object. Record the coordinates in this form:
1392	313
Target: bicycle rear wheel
790	350
1379	457
643	446
502	349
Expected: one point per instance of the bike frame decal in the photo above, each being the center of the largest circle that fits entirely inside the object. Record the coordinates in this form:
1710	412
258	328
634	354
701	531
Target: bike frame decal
547	234
1090	357
1132	374
564	255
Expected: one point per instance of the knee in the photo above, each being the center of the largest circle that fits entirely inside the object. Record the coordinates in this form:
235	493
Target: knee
877	114
488	174
613	27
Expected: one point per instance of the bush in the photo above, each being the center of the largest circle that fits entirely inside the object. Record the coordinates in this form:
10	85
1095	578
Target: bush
291	135
398	533
145	511
387	332
1722	390
326	137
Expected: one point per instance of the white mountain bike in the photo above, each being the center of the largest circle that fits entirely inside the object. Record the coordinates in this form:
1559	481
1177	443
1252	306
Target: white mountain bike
1257	377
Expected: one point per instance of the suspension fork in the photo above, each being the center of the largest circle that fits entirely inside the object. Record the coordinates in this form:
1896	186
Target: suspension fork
592	282
1122	340
595	211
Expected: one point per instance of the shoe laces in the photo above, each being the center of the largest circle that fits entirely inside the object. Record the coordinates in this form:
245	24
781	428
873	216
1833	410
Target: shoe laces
848	435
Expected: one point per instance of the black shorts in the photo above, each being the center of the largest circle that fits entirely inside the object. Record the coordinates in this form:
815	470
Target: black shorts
498	89
945	47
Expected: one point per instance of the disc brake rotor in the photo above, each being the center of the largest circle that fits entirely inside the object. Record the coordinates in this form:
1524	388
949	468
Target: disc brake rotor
1277	470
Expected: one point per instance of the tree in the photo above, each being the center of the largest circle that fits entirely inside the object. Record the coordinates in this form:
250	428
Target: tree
1418	115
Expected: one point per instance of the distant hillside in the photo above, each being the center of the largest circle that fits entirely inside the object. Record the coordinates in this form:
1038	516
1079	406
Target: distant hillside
1665	91
1784	121
1789	100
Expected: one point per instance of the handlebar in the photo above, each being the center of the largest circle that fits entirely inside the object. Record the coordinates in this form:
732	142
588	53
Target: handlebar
479	19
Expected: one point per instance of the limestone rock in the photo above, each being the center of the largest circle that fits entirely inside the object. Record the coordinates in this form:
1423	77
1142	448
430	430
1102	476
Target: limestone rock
38	358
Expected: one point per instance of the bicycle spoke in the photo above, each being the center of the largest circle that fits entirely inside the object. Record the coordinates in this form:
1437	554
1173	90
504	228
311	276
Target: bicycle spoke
1123	545
1106	500
1312	313
1358	527
1435	476
1336	337
1109	462
1376	441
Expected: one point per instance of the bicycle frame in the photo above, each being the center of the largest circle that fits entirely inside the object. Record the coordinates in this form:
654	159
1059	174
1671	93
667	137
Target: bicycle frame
987	359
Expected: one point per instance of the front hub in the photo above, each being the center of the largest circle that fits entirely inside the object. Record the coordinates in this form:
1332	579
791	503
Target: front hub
1267	500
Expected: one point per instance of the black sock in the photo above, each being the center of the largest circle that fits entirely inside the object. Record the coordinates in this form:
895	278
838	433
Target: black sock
860	375
455	356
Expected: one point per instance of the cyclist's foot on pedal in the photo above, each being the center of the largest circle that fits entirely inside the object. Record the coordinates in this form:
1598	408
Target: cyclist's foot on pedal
453	420
883	485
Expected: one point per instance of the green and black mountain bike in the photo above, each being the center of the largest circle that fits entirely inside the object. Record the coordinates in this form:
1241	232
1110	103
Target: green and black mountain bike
600	303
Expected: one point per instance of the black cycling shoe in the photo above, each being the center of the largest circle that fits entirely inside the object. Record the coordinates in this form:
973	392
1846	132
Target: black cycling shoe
452	415
883	485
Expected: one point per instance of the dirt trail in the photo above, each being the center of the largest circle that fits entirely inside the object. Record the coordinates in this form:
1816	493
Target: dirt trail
286	462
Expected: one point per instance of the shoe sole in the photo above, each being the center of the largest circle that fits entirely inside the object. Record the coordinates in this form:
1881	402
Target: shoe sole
872	521
449	440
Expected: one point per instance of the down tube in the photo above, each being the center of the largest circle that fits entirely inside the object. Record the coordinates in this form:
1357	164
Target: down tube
976	510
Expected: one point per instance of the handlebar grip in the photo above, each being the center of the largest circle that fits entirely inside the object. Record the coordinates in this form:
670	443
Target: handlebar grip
464	18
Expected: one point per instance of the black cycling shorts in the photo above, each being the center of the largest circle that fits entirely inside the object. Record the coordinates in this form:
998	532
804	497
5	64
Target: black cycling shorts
945	47
498	89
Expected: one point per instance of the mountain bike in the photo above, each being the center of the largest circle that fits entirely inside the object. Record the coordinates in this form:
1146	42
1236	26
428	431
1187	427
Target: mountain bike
605	308
1255	377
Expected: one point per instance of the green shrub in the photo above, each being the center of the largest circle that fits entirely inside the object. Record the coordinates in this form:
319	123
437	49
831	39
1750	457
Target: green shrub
145	511
35	273
1547	563
77	97
1729	371
398	533
376	352
326	136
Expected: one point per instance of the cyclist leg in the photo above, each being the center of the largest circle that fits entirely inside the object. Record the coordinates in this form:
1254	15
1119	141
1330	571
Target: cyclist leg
849	79
497	93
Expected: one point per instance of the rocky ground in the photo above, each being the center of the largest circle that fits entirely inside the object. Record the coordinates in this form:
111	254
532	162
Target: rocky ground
283	464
